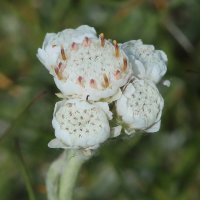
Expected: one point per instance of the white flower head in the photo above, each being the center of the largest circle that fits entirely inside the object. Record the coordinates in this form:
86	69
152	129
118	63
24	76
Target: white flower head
80	125
140	106
147	63
83	64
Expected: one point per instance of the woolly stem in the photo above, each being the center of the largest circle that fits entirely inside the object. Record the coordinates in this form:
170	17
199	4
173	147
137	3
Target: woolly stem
53	175
69	175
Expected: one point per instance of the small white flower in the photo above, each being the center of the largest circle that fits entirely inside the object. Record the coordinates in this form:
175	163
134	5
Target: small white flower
148	63
140	106
84	65
80	125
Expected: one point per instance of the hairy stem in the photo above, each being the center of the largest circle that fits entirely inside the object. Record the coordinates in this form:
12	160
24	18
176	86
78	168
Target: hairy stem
53	175
69	175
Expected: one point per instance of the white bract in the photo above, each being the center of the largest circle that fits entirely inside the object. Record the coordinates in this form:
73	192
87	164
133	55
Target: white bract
84	65
140	106
147	63
51	47
166	82
80	125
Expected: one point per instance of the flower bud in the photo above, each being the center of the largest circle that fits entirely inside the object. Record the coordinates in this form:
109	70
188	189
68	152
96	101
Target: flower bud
147	63
140	106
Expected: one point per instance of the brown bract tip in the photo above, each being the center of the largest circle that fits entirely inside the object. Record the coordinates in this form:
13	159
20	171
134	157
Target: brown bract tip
59	75
63	53
93	84
102	39
106	80
118	75
74	46
80	80
86	42
116	48
125	63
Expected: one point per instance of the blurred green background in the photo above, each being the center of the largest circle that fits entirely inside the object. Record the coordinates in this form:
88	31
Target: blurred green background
159	166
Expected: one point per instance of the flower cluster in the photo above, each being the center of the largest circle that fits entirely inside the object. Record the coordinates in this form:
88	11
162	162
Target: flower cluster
93	73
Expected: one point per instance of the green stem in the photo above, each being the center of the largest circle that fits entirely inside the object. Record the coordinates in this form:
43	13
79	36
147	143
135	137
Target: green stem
69	175
24	171
20	115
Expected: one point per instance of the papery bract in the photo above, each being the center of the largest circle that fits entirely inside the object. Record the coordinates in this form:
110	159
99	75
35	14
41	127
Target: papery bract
50	51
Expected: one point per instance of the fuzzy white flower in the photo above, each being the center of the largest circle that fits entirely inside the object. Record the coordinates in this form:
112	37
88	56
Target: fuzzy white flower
148	63
80	125
84	65
140	106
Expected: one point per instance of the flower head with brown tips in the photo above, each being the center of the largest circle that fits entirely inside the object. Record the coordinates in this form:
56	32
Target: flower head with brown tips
90	63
